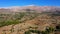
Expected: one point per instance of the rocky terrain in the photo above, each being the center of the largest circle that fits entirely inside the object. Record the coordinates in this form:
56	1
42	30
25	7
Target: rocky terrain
30	20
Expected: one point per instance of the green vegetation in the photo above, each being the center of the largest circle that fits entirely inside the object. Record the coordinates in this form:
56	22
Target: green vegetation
9	19
8	22
27	32
50	29
17	18
19	15
47	31
33	31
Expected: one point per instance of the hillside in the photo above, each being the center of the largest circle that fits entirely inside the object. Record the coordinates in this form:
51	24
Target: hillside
30	20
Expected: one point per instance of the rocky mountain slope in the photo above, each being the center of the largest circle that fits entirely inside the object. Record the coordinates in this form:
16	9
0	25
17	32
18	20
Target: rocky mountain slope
30	20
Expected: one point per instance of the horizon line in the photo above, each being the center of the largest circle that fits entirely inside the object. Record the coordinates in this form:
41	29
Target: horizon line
29	5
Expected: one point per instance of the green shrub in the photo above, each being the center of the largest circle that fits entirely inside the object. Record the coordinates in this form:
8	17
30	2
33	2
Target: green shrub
32	31
50	29
44	32
27	32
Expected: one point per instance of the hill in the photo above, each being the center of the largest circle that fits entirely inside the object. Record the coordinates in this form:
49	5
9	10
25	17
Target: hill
30	20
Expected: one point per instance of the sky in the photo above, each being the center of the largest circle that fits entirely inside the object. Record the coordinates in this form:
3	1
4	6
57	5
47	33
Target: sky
8	3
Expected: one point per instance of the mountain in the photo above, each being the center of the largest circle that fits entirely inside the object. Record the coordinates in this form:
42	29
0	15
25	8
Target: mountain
31	7
30	19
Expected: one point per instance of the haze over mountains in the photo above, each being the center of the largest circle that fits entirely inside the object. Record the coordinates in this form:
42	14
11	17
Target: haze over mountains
31	7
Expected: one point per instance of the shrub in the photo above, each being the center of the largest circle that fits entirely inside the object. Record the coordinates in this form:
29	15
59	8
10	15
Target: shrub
27	32
33	31
50	29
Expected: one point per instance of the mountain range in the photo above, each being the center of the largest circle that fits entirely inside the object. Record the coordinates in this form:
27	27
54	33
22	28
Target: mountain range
31	7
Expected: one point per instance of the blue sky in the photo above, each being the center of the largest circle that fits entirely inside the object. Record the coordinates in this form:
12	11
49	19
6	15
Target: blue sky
7	3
